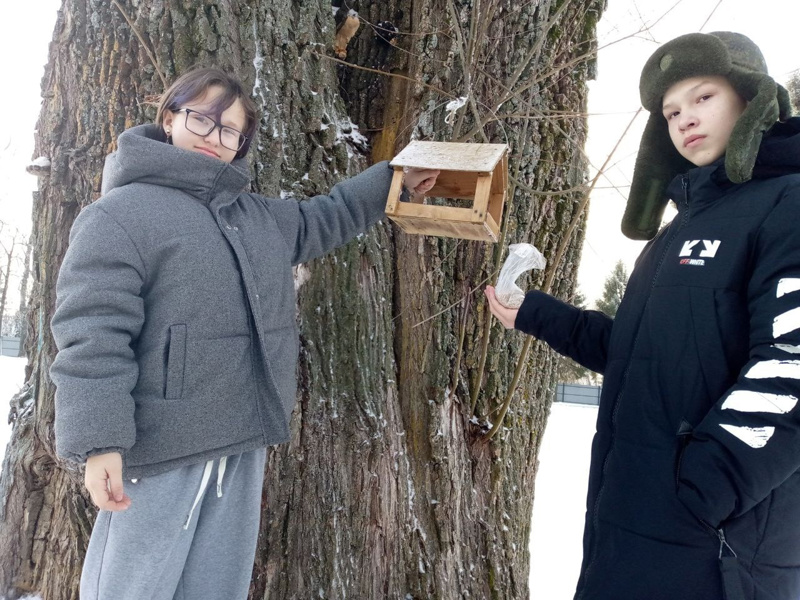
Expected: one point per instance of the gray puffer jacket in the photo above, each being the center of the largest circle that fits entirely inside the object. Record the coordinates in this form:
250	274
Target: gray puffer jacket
175	311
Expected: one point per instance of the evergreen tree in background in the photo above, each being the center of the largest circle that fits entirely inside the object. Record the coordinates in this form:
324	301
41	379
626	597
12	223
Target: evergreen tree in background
613	290
568	370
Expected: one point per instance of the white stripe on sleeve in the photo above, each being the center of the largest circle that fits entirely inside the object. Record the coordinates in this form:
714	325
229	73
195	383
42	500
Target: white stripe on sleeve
787	286
787	348
788	321
747	401
755	437
767	369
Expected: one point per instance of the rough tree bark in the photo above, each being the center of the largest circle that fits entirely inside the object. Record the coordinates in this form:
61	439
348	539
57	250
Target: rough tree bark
389	487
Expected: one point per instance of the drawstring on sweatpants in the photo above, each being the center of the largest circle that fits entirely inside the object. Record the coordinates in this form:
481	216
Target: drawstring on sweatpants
220	472
204	484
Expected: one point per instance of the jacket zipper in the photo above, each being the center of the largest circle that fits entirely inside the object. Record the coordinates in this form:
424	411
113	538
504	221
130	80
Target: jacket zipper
595	519
729	569
246	270
723	543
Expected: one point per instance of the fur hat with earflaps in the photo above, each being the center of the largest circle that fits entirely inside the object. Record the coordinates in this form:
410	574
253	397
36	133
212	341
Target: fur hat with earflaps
723	53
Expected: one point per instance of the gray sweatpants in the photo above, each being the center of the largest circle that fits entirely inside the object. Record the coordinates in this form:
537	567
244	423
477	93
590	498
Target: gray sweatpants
188	534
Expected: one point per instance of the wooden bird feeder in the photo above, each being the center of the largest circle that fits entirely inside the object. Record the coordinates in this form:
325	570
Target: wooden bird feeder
477	172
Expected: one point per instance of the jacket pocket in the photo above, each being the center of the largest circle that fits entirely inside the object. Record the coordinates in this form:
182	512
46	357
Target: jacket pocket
176	362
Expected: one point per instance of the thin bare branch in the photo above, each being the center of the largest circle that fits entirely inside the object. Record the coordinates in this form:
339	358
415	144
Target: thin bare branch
536	48
713	10
548	284
658	20
467	74
144	44
561	114
487	324
533	192
454	304
386	73
462	334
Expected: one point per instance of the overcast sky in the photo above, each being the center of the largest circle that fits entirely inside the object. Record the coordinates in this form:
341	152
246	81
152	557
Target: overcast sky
25	32
27	27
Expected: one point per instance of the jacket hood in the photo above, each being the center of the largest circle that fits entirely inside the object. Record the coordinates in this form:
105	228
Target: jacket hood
144	156
780	151
778	155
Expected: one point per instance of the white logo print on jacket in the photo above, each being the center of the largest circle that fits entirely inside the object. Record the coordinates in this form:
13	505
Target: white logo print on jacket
709	250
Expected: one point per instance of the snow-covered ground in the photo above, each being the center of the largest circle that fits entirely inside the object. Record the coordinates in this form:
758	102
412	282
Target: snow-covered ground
560	502
560	488
12	376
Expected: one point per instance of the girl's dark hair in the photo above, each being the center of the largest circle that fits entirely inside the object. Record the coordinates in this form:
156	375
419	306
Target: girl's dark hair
195	83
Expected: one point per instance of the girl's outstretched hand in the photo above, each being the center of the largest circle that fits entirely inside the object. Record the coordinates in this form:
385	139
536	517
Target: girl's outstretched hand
507	316
420	181
104	481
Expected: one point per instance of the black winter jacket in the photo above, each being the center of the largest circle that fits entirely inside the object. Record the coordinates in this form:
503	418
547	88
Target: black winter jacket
694	489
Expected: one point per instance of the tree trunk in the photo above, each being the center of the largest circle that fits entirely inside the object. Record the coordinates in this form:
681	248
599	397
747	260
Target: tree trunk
389	486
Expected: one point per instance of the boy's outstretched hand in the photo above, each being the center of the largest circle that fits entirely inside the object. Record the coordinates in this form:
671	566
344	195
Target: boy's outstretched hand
507	316
104	481
420	181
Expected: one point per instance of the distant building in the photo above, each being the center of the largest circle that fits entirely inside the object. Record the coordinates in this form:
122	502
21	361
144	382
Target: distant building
9	346
575	393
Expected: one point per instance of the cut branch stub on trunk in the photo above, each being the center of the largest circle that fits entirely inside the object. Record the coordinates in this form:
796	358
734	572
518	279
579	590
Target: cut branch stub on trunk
467	172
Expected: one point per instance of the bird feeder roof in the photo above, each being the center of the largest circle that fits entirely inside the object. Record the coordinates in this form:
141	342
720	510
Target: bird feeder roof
451	156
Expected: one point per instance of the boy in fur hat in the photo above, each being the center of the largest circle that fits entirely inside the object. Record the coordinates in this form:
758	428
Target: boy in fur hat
694	489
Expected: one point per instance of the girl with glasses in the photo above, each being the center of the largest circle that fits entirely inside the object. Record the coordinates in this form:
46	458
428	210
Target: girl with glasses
175	325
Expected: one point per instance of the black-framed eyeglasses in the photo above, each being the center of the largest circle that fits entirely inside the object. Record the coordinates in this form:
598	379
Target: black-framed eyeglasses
202	125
